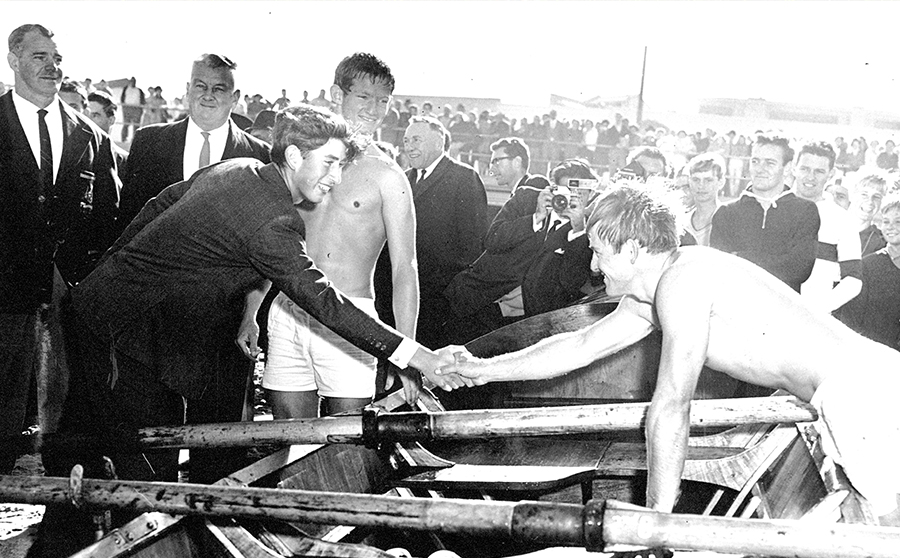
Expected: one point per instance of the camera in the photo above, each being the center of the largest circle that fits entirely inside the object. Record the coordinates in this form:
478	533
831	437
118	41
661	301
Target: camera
560	200
583	184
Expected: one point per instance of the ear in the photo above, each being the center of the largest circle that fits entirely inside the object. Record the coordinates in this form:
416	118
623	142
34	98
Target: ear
235	97
337	94
789	169
13	62
633	249
830	175
293	157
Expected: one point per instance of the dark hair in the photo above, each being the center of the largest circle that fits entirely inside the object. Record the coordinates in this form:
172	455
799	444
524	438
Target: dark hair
649	152
216	61
629	212
362	65
309	128
787	153
435	126
17	37
514	147
819	149
572	168
72	86
707	162
104	100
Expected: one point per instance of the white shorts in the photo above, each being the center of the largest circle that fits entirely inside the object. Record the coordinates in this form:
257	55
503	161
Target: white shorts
304	355
860	427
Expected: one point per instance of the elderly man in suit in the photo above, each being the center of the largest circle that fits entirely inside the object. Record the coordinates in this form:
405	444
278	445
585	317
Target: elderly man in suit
451	220
58	198
163	294
164	154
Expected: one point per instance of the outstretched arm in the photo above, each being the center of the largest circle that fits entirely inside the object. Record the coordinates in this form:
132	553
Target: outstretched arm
630	322
683	305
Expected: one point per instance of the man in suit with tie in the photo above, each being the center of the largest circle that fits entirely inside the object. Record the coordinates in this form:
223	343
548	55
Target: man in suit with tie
164	154
451	220
162	294
58	197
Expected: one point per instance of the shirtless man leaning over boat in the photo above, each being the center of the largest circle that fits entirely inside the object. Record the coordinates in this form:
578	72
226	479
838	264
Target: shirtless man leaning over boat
345	235
720	310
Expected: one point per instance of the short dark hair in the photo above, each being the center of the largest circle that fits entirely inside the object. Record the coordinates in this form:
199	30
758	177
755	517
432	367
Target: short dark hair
216	61
819	149
514	147
572	168
435	126
632	212
787	152
104	100
649	152
308	128
17	37
72	86
362	65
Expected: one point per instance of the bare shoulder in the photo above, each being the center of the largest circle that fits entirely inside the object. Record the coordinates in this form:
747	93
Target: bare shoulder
691	278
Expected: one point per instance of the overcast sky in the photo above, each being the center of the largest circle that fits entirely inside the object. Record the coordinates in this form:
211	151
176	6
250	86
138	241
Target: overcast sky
820	53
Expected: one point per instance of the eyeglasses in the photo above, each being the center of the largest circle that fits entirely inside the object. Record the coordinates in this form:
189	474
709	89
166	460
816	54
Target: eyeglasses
495	160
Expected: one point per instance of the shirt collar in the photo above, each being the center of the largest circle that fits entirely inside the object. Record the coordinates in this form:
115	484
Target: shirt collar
220	132
24	106
430	168
766	201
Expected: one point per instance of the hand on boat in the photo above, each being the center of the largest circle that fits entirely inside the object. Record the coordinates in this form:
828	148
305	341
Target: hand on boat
412	383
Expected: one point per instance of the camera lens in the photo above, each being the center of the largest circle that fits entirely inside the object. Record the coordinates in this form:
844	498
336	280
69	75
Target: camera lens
559	203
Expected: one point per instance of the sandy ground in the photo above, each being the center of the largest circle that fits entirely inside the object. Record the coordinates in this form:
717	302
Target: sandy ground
18	522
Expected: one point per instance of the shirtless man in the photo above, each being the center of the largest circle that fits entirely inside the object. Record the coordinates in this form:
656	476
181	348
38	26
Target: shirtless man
346	233
723	311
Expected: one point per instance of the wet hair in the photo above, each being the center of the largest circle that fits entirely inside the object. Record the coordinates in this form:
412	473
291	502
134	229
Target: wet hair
649	152
309	128
17	37
572	168
633	212
435	126
787	152
514	147
819	149
706	162
104	100
362	65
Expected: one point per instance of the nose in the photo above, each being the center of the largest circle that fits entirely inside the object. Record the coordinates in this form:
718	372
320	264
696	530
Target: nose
336	174
595	264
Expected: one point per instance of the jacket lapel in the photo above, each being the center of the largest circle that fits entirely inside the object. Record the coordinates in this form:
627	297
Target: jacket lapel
432	178
14	143
75	140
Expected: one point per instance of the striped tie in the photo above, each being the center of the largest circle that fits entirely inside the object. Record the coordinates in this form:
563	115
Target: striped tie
46	152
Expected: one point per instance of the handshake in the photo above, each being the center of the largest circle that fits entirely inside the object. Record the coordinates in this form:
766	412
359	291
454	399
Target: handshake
449	368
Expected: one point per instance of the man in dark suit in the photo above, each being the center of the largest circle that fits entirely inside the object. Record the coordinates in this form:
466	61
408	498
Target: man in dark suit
451	220
165	290
164	154
58	197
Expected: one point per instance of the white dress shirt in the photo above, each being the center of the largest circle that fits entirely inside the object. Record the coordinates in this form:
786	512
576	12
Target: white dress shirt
193	143
28	116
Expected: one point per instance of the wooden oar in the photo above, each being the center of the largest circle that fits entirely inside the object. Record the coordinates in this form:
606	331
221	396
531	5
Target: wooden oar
596	525
376	427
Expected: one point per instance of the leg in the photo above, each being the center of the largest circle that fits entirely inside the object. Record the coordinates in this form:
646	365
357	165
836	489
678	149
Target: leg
293	404
16	370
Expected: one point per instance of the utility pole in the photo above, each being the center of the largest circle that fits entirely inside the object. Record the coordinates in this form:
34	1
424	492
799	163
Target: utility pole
640	107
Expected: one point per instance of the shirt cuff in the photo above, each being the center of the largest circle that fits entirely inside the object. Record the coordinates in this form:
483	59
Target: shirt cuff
404	353
535	224
573	235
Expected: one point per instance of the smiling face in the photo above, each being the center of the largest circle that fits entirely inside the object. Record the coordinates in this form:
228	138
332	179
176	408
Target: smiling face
36	67
617	267
211	96
811	174
890	226
312	177
767	168
365	105
422	144
865	201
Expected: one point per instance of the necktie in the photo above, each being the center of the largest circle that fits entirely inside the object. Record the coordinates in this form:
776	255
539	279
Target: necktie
46	152
204	151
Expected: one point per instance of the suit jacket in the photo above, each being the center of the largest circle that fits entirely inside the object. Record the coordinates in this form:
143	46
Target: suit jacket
156	160
511	245
173	283
69	224
451	220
